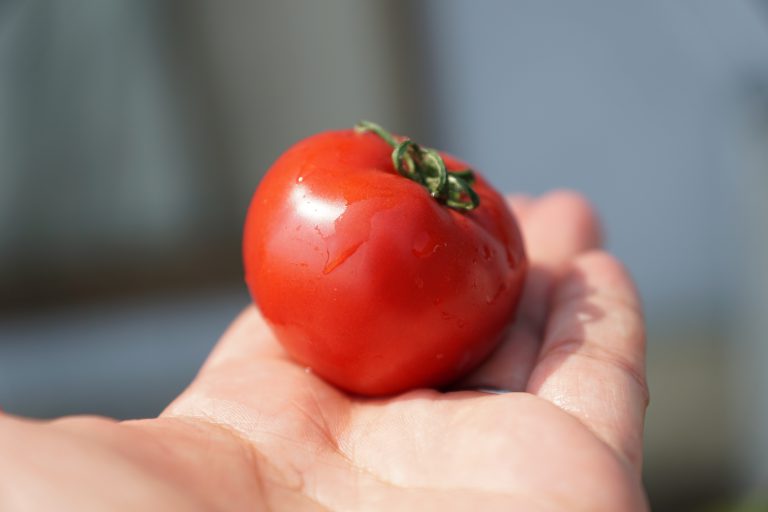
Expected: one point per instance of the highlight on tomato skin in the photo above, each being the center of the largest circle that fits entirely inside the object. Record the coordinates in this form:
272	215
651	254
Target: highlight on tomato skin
382	265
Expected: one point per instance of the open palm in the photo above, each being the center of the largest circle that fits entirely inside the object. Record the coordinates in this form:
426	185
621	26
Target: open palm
255	431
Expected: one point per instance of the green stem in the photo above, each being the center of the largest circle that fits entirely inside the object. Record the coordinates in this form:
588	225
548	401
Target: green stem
426	167
368	126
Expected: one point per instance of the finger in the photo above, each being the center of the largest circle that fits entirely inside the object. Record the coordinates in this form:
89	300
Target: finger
248	337
520	204
559	225
555	228
592	361
247	371
243	349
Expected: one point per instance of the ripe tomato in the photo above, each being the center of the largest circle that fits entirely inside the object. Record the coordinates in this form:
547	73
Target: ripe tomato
377	282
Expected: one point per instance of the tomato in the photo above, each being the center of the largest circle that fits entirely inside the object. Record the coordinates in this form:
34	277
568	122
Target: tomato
377	282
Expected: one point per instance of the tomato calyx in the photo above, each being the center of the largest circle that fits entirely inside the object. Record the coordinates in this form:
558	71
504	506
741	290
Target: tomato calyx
426	167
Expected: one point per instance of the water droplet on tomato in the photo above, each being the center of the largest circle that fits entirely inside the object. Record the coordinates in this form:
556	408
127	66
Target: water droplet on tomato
486	252
299	179
424	245
419	282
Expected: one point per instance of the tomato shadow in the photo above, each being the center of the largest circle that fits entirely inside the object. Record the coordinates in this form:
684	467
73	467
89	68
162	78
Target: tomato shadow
555	315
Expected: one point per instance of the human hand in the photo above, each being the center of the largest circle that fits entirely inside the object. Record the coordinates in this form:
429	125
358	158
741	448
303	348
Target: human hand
256	431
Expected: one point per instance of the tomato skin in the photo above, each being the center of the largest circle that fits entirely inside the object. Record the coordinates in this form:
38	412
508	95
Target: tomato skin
367	279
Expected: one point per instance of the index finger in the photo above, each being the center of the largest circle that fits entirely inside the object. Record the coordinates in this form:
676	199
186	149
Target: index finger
556	228
592	361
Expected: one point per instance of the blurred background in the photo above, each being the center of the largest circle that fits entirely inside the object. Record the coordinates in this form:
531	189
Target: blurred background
133	133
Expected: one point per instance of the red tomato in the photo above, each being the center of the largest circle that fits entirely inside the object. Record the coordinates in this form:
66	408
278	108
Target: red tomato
368	279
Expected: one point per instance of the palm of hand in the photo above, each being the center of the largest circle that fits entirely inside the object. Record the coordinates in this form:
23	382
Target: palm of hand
567	438
318	449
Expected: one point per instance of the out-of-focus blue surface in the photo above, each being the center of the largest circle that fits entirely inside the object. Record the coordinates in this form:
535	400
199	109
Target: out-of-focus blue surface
126	359
642	106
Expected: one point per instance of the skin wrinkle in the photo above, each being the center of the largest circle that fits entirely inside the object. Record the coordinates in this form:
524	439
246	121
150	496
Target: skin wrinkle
321	426
327	435
577	347
330	436
593	306
199	414
250	453
632	462
563	299
567	401
253	456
